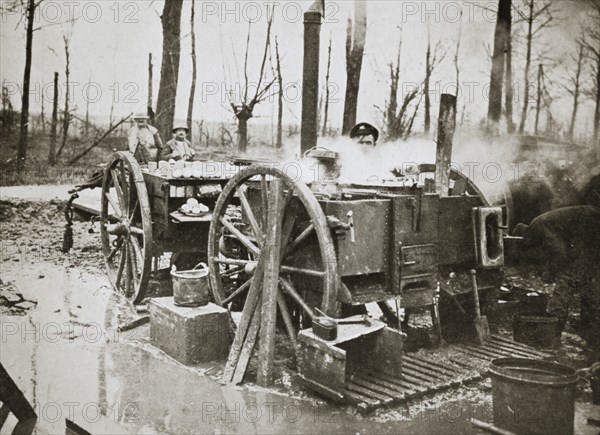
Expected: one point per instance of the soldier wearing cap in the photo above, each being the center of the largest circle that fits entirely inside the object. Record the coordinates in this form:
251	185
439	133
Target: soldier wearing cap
364	134
144	140
178	148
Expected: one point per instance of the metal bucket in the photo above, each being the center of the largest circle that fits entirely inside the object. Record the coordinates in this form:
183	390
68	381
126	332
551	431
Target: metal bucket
191	288
536	330
533	396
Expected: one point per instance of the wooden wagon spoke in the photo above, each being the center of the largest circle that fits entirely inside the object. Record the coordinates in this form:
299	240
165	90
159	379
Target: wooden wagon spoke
287	228
291	291
303	271
233	271
114	204
232	261
287	319
138	249
117	185
134	265
128	272
264	200
258	234
137	231
134	210
124	179
121	267
245	286
115	249
241	237
292	247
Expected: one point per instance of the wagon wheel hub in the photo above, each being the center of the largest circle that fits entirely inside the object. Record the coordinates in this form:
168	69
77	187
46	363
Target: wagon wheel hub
120	229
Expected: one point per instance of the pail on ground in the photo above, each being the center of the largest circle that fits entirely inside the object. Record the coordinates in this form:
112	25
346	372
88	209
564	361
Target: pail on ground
191	288
533	396
536	330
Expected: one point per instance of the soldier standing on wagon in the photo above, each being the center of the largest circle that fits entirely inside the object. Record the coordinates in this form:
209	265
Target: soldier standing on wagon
178	148
144	140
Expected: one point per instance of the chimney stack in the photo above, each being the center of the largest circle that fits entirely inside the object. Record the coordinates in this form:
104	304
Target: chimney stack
310	75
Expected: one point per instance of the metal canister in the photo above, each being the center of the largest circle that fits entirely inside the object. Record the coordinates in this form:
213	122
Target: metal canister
173	191
180	192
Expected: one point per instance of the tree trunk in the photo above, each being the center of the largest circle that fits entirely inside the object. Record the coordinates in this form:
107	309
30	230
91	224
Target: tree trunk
355	47
508	100
53	125
169	71
538	102
24	127
597	111
324	131
428	70
43	117
242	132
527	65
193	87
87	111
501	37
279	142
149	110
66	117
576	92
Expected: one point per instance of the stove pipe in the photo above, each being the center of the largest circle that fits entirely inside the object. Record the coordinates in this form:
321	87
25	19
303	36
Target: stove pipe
310	75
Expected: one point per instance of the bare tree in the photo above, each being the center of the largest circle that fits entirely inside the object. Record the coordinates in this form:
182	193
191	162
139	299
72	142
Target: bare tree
508	82
169	71
399	122
543	17
54	123
279	142
149	104
355	46
193	86
23	130
243	111
67	113
501	37
538	100
325	116
591	41
432	59
87	109
573	86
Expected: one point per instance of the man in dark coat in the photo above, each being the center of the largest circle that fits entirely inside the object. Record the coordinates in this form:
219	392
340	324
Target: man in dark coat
566	242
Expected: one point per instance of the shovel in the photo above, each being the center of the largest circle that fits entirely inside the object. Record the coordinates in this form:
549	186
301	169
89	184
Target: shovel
481	324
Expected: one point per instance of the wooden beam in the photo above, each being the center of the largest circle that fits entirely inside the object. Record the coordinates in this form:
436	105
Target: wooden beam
247	317
443	158
271	251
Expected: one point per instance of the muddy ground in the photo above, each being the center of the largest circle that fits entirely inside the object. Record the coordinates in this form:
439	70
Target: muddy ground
60	342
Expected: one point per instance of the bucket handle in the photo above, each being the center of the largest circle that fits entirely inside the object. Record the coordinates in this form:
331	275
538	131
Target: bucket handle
204	266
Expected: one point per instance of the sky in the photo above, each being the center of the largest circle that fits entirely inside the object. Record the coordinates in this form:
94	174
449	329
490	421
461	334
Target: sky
110	42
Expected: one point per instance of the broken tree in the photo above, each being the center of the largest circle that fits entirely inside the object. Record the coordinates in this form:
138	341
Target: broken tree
501	38
169	71
244	111
356	35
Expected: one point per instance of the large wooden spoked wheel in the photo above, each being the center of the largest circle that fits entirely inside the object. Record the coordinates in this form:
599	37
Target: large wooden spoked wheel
307	250
126	227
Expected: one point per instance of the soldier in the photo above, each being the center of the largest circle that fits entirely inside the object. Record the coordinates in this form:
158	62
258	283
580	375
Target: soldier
144	140
567	243
364	134
178	148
